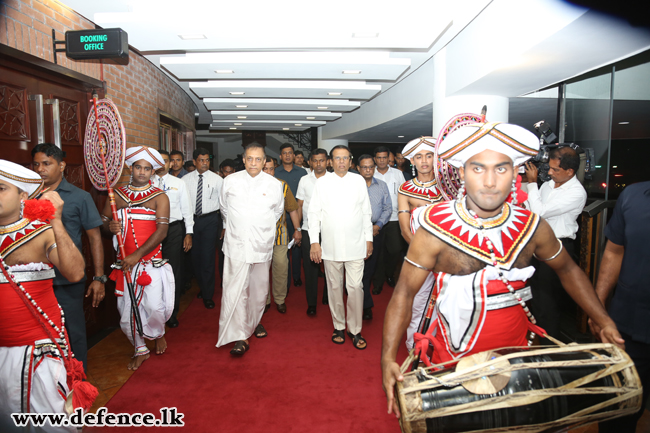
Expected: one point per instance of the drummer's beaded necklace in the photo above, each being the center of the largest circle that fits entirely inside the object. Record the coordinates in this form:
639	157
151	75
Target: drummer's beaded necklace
503	278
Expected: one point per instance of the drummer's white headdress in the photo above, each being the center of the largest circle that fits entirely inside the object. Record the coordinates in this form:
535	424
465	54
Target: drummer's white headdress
465	142
24	178
418	145
149	154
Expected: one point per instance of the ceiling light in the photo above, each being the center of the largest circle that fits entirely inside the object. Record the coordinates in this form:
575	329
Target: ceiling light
236	93
365	35
241	117
192	37
298	124
614	166
400	136
311	118
237	124
233	128
334	93
285	129
623	123
241	106
224	71
352	72
322	108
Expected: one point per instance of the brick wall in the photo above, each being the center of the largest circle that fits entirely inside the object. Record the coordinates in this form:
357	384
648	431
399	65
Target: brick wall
139	89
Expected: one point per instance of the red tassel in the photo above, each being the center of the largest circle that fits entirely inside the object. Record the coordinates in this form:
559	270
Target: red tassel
39	210
144	279
83	393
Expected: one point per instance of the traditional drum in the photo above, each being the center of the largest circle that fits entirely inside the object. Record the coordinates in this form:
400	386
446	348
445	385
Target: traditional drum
521	389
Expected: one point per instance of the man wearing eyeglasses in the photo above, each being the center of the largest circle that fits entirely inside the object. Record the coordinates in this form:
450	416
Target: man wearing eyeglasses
340	211
381	210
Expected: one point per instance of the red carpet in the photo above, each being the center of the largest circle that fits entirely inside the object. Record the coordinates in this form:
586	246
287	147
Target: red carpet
295	379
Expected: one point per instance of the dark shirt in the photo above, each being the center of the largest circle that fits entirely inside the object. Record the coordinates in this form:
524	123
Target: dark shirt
79	211
181	173
292	178
630	306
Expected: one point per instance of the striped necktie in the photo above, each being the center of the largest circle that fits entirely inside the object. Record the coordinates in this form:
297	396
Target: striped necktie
199	196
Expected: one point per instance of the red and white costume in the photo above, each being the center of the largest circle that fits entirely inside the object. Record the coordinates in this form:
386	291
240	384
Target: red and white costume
33	376
427	191
476	312
152	277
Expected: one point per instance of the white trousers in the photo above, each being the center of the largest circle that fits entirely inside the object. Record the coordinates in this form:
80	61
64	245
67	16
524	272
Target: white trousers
155	304
420	304
354	284
245	288
31	381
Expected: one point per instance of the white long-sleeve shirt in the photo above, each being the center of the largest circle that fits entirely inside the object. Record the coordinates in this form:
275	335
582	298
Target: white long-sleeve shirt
180	207
394	178
340	211
305	191
250	208
211	187
560	206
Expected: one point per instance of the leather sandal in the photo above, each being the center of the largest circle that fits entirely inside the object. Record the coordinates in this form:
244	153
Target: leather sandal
338	334
260	332
357	339
240	348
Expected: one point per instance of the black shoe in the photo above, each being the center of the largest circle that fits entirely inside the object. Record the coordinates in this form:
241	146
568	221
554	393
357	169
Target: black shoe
199	296
391	281
376	290
282	308
367	313
325	300
173	322
311	311
209	304
297	282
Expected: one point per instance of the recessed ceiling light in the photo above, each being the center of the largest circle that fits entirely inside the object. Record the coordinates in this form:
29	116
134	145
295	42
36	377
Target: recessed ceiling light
241	117
285	129
400	136
233	128
322	108
241	106
365	35
236	93
192	37
623	123
352	72
334	93
237	124
614	166
311	118
224	71
298	124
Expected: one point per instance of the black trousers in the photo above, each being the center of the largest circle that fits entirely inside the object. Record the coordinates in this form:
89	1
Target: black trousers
369	268
640	354
204	252
549	295
294	254
172	250
311	271
71	298
220	248
390	253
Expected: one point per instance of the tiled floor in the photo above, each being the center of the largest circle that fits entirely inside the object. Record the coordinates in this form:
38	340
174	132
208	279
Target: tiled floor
107	362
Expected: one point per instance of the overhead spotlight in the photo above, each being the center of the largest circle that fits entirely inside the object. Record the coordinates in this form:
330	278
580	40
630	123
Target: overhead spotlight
311	118
334	93
233	128
241	106
224	71
298	124
285	129
352	72
623	123
237	124
192	37
400	136
236	93
241	117
365	35
322	108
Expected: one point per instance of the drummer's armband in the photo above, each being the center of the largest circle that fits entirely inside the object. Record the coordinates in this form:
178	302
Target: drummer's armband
416	265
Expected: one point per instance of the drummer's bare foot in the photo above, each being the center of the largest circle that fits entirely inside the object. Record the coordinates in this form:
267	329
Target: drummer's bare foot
137	361
161	345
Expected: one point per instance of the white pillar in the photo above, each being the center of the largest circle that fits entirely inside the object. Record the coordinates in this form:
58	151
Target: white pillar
445	107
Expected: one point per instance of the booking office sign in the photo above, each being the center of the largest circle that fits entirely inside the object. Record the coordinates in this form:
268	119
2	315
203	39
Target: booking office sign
98	44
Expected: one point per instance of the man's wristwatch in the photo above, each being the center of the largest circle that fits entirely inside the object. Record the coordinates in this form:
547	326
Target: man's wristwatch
103	279
298	229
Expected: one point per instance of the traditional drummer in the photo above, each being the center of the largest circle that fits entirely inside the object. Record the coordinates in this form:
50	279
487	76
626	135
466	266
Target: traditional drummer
143	212
414	196
480	246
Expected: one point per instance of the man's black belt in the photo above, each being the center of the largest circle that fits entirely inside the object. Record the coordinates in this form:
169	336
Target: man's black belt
205	214
175	223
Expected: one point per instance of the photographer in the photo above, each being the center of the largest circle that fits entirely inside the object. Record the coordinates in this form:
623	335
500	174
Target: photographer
559	201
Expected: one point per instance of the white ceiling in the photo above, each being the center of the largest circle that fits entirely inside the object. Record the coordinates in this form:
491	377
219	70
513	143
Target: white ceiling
291	59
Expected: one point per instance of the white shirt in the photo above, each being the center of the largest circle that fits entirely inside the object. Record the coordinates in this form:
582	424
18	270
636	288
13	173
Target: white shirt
340	211
305	191
211	187
560	206
250	208
179	200
394	178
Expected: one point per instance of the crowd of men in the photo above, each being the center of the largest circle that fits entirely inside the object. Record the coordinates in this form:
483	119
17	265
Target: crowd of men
358	219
